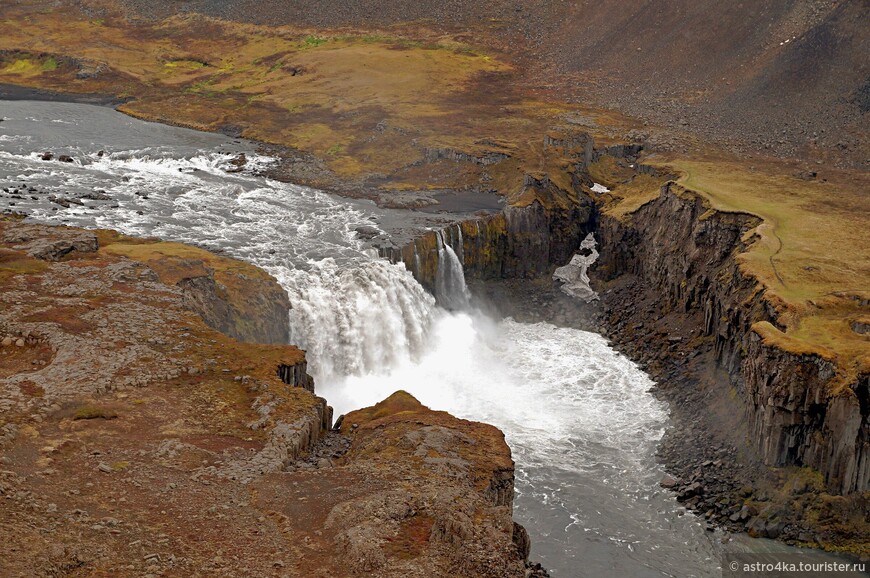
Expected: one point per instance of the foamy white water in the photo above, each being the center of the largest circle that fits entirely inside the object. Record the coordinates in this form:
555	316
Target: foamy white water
583	430
578	416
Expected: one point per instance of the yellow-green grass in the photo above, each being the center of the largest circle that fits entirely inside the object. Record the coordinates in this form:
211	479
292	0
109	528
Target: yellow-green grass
369	103
14	263
176	261
629	190
812	251
366	102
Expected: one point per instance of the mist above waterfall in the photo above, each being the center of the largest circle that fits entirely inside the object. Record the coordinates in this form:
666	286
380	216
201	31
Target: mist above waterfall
578	416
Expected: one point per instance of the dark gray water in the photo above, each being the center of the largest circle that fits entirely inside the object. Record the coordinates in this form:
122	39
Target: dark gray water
579	416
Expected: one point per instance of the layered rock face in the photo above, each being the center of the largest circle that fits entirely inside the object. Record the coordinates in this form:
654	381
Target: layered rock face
137	440
797	414
523	241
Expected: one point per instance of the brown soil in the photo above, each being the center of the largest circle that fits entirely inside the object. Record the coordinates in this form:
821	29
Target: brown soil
138	441
784	78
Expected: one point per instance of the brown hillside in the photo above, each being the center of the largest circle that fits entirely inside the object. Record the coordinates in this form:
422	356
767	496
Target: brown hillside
789	78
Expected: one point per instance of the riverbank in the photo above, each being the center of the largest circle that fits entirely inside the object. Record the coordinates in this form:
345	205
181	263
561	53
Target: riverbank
795	344
18	92
125	410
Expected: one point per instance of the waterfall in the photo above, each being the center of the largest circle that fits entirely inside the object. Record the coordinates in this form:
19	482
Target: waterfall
450	289
460	249
580	420
352	313
359	319
416	259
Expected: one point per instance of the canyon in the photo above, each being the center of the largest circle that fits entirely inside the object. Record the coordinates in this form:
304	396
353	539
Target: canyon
733	264
696	310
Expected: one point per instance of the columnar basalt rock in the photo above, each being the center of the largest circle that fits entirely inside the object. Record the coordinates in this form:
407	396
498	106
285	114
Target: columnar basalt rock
686	253
296	375
798	420
520	242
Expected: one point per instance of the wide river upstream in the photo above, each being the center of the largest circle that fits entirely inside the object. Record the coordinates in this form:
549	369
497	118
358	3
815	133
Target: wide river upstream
578	416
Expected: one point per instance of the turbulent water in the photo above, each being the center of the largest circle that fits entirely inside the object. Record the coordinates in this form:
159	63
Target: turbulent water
578	416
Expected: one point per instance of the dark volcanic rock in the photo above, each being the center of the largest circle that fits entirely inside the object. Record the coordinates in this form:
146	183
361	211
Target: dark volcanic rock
257	313
63	241
742	404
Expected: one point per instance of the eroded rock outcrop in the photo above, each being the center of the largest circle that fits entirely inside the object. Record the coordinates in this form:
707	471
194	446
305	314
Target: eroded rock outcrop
227	306
454	502
235	298
32	240
801	417
136	439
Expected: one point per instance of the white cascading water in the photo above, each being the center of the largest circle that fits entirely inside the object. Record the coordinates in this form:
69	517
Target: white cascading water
579	418
450	289
356	320
460	249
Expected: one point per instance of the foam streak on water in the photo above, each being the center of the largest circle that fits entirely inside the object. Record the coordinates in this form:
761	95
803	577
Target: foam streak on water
578	416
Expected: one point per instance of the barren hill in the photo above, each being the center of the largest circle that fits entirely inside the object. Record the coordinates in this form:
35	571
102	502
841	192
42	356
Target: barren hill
789	78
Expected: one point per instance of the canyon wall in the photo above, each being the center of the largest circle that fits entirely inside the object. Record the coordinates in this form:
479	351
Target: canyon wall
520	242
799	418
797	413
685	255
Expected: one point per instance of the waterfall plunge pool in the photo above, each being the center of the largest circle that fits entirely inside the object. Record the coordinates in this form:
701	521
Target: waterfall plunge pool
578	416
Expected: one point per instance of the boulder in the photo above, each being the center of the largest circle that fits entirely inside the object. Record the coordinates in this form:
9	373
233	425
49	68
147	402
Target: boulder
669	482
55	249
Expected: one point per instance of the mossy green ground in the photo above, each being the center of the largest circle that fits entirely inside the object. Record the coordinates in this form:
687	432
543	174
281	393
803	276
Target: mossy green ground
811	253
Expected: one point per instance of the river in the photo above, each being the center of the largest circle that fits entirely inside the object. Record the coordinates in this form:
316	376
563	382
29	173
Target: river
579	417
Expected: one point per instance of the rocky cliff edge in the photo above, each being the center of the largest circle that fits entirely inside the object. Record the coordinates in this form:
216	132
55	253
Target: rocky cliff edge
138	440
